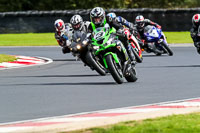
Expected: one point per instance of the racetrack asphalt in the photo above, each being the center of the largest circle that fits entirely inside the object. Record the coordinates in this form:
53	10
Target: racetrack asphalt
67	87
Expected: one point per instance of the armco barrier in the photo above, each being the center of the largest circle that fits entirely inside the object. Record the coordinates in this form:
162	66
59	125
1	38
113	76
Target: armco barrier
42	21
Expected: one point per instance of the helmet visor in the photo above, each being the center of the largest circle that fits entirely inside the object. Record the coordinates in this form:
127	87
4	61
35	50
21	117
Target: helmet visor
97	20
76	26
140	24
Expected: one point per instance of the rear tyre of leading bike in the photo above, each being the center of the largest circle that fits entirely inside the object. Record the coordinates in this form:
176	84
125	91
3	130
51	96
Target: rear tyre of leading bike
131	75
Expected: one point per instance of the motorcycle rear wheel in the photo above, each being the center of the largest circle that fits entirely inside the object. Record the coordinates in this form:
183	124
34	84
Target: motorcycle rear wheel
131	76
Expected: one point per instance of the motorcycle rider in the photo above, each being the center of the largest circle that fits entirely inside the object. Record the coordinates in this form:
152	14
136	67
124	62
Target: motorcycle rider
194	31
63	34
78	24
121	20
99	19
128	24
141	23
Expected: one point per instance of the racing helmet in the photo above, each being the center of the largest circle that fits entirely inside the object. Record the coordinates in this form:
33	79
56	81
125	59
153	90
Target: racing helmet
112	15
139	20
77	22
196	20
59	25
97	16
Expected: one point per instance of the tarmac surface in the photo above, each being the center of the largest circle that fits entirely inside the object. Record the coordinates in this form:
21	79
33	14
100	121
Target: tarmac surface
67	87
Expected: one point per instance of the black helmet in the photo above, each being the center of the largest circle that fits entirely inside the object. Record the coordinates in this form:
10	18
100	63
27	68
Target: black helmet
97	16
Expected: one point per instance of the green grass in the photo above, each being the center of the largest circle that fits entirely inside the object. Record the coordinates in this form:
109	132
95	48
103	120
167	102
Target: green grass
47	39
178	37
28	39
6	58
189	123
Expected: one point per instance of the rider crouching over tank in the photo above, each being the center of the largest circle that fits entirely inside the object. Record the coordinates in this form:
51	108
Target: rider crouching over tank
99	19
141	23
194	32
127	24
63	35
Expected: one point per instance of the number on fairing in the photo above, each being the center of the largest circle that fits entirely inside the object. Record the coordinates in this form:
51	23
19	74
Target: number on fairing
99	35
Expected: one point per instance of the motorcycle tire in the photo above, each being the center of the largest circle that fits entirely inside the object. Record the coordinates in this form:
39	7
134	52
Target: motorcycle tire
169	51
137	57
114	70
131	76
94	65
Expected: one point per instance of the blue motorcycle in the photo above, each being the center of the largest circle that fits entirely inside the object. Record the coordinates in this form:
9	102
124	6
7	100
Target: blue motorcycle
156	41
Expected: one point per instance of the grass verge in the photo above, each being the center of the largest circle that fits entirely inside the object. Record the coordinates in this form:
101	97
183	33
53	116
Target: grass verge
178	37
47	39
28	39
188	123
6	58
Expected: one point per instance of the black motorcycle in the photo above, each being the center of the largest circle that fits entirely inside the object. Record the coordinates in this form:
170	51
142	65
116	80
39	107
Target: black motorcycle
79	49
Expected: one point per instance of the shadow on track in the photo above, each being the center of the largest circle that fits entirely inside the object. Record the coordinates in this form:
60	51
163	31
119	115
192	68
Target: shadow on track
151	55
64	60
180	66
57	76
60	84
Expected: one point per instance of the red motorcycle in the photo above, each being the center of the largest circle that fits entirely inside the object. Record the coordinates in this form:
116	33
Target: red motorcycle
137	51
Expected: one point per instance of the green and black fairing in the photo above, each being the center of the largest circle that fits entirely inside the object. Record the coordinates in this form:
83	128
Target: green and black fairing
105	41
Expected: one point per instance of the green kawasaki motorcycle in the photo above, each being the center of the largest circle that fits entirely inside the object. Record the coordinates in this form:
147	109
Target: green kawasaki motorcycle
111	53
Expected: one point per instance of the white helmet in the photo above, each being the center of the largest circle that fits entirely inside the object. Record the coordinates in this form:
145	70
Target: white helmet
139	20
76	22
97	16
59	25
112	15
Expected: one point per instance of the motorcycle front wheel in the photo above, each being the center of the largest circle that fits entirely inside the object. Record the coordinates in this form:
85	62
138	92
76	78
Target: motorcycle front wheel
94	64
114	69
166	47
136	54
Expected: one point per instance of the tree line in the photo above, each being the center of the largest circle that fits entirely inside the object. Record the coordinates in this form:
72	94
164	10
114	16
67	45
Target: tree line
46	5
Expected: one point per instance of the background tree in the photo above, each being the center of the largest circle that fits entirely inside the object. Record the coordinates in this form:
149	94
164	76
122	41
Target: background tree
24	5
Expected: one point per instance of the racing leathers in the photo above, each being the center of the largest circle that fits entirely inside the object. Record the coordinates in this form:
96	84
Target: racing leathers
64	38
84	27
146	22
124	22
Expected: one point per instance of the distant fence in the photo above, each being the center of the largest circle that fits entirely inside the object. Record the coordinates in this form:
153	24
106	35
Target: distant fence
43	21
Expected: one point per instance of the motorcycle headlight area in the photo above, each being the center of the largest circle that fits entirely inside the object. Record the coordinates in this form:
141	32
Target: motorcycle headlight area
96	47
78	47
85	42
109	41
